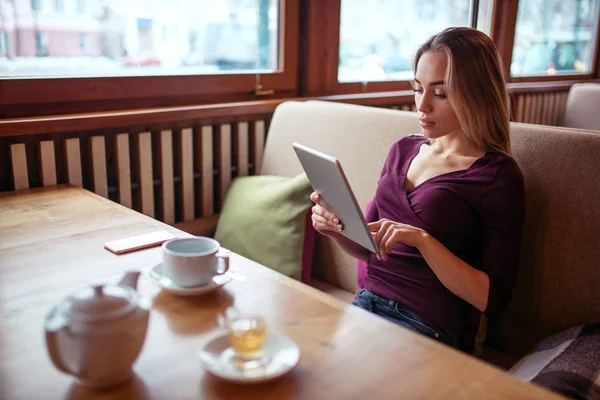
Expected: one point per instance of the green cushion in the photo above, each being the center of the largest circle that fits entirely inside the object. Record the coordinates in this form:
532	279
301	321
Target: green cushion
264	219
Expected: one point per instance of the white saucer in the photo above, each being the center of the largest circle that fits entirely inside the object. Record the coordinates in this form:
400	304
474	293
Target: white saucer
217	358
162	281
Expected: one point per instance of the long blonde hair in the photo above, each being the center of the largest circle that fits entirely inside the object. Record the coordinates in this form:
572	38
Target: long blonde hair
475	85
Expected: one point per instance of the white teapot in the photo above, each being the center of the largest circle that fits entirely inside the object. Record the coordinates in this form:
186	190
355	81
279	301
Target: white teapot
97	333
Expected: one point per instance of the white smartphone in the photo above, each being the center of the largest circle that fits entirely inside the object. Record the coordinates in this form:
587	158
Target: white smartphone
138	242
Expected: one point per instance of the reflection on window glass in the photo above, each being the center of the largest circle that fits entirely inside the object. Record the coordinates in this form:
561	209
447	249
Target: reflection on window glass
378	38
137	37
554	37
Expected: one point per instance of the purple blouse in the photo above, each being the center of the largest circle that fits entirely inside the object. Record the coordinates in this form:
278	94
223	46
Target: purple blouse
476	213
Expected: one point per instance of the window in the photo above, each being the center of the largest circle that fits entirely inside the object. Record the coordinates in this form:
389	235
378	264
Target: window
213	51
81	6
378	38
554	37
141	37
35	5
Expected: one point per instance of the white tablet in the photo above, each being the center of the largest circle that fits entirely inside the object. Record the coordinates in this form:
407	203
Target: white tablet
328	179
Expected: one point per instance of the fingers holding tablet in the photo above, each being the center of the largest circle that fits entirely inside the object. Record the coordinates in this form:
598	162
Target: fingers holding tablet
324	221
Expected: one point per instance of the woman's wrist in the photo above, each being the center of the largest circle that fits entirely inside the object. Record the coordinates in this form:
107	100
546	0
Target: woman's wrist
424	240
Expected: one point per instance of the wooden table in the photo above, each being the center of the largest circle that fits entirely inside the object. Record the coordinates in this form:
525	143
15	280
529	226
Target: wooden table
51	244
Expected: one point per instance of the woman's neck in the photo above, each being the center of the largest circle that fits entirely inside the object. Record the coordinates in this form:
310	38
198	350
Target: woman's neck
454	144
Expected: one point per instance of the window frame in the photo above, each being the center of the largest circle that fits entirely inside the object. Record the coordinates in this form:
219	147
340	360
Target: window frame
321	37
504	28
118	93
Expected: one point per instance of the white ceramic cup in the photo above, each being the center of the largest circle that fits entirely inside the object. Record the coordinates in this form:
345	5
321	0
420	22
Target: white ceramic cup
190	262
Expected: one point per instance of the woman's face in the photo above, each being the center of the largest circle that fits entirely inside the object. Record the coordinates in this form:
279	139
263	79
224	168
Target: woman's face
436	116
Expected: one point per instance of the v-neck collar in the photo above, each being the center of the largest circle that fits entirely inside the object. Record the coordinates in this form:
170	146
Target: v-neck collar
415	151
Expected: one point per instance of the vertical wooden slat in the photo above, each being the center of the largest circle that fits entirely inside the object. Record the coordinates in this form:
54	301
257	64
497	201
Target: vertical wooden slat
206	168
534	107
73	161
563	105
259	145
19	166
527	109
553	118
99	166
123	169
47	163
187	173
145	173
539	108
546	110
166	177
520	109
224	161
242	149
559	110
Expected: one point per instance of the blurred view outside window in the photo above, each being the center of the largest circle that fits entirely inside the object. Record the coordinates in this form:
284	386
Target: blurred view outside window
62	38
378	38
554	37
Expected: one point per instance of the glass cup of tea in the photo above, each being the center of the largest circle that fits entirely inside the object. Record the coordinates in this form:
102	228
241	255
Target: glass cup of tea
247	335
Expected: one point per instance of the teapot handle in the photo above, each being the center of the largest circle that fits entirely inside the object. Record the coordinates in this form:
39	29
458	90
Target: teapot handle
51	344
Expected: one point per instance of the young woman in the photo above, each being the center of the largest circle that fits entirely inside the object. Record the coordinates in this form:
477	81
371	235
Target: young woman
448	211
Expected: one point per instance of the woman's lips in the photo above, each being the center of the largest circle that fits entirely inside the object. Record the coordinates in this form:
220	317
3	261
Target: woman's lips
425	123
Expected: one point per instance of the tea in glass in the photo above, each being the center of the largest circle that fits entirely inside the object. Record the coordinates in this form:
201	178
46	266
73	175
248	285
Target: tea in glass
247	335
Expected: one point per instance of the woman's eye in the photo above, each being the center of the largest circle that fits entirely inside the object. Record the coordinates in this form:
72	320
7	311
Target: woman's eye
417	90
440	96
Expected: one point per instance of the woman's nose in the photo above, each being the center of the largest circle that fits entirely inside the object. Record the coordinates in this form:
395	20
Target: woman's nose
423	103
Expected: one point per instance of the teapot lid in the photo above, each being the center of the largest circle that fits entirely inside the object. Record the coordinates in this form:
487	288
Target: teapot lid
100	302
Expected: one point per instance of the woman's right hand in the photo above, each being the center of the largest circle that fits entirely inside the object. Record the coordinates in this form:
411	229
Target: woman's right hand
323	220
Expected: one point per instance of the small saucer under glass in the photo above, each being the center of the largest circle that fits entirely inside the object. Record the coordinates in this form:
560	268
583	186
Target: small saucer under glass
279	355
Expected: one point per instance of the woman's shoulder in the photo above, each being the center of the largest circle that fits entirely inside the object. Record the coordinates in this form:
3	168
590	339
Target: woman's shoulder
505	172
405	145
413	139
409	142
505	165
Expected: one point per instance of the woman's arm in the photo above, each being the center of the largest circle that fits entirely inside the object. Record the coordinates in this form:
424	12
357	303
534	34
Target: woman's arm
460	278
466	282
350	247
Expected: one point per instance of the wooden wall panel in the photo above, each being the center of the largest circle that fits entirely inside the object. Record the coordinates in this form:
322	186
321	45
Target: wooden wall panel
224	161
187	173
73	162
99	166
166	177
19	166
544	108
47	163
123	169
258	144
206	165
194	167
242	149
146	177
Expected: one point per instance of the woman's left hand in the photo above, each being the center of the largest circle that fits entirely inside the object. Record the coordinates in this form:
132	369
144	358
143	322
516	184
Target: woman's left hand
387	233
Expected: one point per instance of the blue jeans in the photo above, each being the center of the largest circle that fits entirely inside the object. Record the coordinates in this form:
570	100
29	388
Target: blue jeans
402	315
